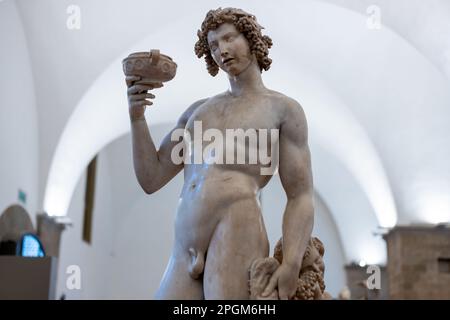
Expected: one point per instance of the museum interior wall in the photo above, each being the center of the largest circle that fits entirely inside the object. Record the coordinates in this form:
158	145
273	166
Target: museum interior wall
18	114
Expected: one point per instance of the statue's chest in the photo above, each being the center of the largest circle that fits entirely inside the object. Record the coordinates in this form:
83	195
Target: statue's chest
233	132
235	114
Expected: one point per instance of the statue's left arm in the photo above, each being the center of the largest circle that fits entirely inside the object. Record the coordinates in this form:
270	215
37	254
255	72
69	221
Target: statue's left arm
296	178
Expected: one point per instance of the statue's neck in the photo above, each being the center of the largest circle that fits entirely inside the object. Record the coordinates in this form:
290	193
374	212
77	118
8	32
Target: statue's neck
247	81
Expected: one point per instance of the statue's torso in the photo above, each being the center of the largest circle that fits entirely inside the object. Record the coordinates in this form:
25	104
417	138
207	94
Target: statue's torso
213	190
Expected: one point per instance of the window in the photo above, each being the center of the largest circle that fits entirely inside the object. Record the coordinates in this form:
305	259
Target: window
444	265
30	246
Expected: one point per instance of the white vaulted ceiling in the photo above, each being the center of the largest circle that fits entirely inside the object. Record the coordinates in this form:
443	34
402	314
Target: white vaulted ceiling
377	101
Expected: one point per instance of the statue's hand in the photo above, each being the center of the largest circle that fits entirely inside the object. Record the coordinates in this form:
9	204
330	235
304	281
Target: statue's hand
138	96
285	279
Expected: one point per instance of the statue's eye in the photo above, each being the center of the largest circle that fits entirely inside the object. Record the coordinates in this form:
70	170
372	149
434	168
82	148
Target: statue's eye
230	38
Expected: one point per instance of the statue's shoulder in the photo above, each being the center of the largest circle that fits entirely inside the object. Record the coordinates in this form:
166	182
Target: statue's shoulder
220	96
184	118
285	104
199	103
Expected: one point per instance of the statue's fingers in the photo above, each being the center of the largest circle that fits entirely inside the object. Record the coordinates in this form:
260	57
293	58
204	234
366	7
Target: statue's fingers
130	79
139	88
158	85
133	90
317	292
146	102
141	103
285	293
270	286
136	97
282	294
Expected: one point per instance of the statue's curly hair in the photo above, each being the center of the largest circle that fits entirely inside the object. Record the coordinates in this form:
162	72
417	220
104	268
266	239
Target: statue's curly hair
246	24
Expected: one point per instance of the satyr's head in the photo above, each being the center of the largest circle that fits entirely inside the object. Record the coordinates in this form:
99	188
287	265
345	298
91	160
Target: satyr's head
231	39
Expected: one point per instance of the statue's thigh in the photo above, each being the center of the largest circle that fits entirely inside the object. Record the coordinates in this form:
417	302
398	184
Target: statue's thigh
177	284
233	248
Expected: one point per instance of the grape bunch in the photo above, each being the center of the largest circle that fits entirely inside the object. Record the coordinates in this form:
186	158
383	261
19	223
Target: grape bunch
307	284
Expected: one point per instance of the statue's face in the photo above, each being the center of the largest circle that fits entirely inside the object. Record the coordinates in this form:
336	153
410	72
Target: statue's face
230	49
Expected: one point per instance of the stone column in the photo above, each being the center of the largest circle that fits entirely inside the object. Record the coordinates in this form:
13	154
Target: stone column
49	231
419	262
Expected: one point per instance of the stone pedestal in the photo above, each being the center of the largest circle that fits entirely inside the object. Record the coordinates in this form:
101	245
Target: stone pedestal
356	283
49	230
419	262
28	278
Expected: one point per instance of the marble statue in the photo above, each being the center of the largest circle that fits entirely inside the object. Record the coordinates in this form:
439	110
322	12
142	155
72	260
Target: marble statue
219	228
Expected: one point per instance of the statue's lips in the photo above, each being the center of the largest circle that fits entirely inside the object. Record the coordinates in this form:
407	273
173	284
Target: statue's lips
227	60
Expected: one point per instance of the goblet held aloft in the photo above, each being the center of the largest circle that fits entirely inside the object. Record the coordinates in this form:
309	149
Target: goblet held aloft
153	67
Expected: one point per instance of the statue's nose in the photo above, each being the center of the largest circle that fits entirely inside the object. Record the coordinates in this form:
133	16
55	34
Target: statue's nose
223	51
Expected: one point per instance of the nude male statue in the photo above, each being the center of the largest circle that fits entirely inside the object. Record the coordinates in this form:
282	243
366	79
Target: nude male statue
219	229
